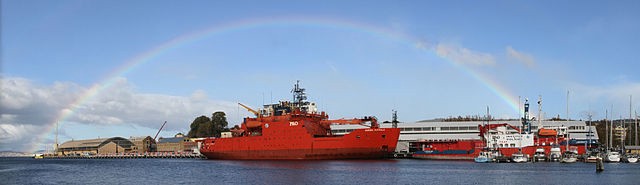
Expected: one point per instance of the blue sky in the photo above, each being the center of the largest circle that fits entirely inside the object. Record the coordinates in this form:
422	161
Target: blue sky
426	59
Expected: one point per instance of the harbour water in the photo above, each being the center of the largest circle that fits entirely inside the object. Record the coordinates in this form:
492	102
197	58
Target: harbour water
401	171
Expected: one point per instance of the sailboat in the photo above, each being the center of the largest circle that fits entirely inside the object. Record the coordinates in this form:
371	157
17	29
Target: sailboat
485	156
632	158
611	156
570	155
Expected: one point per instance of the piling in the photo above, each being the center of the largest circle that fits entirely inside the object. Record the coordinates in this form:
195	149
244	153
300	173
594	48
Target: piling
599	164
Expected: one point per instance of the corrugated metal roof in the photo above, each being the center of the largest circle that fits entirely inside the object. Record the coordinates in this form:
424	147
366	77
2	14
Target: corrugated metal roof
89	143
171	140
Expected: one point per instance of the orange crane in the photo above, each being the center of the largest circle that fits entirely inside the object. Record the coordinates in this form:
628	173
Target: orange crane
355	121
250	110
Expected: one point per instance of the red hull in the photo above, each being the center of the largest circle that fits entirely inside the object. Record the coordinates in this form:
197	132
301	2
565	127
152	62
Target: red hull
464	150
285	142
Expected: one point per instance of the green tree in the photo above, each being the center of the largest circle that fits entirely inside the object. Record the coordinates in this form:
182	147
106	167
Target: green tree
207	127
201	127
219	123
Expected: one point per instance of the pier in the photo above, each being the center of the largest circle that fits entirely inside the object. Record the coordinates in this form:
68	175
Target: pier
166	155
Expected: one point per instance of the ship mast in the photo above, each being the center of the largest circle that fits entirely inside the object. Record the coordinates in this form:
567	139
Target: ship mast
299	96
526	127
394	119
539	112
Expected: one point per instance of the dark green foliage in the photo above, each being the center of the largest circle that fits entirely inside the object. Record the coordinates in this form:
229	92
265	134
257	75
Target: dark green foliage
219	123
205	127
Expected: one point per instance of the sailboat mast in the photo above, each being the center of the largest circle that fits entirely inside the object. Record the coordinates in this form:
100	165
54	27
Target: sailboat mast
606	125
636	123
568	106
55	146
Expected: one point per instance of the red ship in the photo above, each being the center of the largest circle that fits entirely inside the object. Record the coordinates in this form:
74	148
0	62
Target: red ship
295	130
505	143
505	140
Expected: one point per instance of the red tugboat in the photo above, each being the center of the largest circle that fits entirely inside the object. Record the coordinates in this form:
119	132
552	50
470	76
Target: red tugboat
295	130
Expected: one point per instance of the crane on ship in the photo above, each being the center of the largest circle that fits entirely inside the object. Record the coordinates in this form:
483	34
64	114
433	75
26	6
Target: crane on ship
355	121
250	109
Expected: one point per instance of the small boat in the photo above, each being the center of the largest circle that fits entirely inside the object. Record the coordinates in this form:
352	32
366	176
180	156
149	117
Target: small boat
555	154
631	158
591	159
569	157
613	157
519	157
483	157
38	156
539	155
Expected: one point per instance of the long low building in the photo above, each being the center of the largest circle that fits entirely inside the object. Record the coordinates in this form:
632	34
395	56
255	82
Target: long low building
581	131
95	146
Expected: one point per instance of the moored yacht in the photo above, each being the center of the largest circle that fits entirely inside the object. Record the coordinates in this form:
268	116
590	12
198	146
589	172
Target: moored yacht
555	154
519	157
613	157
539	155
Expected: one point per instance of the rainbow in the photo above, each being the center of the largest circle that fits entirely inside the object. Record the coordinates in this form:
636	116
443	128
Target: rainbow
186	39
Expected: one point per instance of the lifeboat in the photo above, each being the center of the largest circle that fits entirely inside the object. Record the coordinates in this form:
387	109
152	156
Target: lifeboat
547	132
253	124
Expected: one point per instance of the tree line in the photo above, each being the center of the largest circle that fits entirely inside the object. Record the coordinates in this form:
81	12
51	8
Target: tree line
204	126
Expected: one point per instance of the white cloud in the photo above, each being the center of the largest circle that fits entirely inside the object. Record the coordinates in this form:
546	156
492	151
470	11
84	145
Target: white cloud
619	91
464	56
605	97
17	137
521	57
28	108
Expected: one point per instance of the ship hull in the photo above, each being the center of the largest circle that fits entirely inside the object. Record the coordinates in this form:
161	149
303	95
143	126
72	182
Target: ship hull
360	144
469	149
299	154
